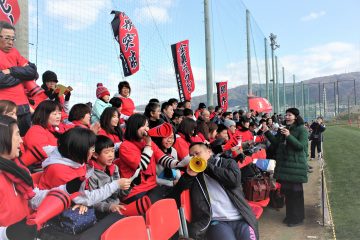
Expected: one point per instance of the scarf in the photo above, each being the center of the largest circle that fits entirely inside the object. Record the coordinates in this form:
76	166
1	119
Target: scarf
19	175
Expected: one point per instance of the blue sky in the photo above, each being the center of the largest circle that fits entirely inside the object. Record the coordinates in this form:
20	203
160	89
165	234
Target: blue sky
75	40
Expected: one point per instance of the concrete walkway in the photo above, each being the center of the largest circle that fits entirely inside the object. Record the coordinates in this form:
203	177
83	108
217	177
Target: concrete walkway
272	228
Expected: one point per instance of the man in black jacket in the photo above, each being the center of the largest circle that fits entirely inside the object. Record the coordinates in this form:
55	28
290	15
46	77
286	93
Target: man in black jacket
219	209
316	138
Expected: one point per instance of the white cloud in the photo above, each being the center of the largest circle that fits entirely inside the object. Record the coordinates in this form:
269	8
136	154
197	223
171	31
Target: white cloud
154	10
158	14
323	60
71	11
312	16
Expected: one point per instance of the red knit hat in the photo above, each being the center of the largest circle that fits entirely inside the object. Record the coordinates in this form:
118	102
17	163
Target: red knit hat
101	91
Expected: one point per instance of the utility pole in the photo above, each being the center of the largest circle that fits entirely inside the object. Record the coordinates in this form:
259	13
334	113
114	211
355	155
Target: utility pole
308	100
349	109
338	97
319	99
354	92
294	90
266	69
274	46
248	52
284	93
277	85
303	97
209	79
324	99
335	98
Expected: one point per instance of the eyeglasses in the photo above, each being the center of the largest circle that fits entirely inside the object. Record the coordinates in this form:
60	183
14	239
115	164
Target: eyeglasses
8	39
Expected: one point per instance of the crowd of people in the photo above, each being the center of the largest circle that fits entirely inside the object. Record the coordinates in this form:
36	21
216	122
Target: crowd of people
104	152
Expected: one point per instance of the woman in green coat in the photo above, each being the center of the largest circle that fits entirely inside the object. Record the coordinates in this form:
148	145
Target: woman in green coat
291	149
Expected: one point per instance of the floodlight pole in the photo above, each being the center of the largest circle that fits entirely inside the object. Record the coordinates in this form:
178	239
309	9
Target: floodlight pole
284	88
266	69
277	85
294	90
209	77
274	46
248	52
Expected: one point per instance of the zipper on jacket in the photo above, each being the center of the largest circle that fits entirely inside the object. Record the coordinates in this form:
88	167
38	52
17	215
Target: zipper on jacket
207	225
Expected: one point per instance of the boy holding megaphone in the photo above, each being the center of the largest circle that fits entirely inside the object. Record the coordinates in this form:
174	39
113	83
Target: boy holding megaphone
219	209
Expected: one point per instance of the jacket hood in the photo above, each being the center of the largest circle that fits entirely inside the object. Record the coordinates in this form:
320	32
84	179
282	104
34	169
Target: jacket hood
56	158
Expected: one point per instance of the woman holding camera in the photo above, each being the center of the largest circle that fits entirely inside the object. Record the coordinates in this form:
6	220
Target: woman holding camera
291	147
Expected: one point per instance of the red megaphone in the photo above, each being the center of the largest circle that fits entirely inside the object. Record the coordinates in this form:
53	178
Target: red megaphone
163	130
53	204
137	207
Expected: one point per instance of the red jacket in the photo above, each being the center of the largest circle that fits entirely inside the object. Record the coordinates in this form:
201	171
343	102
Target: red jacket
130	156
182	146
59	170
247	135
128	106
13	206
115	138
35	139
14	93
58	174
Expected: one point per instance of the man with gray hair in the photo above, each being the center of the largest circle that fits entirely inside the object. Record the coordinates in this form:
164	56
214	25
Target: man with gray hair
202	124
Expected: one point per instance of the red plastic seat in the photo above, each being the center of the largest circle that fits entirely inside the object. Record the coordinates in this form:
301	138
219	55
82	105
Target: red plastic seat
36	177
129	228
186	204
262	203
185	212
162	219
257	210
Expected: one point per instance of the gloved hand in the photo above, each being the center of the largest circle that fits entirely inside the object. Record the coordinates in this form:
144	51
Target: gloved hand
67	96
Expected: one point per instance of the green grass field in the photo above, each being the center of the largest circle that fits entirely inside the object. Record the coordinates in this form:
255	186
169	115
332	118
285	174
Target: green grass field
341	149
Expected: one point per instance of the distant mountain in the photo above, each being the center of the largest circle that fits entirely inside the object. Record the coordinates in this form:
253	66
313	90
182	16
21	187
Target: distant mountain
238	95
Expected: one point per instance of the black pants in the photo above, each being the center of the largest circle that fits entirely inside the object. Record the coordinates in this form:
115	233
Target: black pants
316	143
23	118
294	201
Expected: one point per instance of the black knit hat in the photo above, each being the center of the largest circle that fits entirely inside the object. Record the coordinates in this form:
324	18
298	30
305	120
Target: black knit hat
294	111
202	105
49	76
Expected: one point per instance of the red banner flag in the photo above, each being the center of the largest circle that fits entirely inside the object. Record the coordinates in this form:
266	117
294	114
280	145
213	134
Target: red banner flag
259	104
127	36
184	76
9	11
222	95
